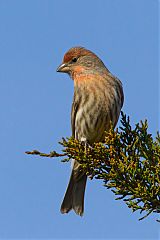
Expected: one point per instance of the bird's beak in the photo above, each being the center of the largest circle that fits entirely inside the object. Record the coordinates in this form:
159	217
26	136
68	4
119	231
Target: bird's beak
63	68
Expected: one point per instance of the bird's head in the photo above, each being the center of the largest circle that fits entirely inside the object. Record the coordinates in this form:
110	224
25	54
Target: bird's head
80	60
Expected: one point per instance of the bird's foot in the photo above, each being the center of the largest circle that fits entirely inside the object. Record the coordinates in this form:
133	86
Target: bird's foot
85	143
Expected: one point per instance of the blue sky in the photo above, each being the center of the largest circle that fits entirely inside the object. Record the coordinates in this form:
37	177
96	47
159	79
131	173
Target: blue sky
35	104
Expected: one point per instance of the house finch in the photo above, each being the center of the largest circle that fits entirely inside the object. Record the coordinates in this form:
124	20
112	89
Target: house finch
98	99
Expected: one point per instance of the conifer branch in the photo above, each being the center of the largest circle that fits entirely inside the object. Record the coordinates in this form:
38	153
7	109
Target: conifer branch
128	163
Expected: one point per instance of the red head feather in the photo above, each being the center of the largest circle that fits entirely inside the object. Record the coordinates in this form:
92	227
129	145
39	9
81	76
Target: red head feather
76	52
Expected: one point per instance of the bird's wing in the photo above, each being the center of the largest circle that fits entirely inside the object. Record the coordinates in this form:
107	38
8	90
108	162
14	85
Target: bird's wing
117	85
120	87
73	115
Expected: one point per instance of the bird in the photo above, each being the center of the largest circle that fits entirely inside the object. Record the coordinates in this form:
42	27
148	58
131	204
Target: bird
97	101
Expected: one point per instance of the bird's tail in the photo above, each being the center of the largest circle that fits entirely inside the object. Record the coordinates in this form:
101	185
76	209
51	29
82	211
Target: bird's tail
74	196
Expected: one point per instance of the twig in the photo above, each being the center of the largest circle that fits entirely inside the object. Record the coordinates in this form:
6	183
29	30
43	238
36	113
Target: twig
51	154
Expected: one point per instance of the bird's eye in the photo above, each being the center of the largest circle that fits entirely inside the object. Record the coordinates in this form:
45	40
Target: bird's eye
74	59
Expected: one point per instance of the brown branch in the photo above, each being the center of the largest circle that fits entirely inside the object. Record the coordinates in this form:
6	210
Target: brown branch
51	154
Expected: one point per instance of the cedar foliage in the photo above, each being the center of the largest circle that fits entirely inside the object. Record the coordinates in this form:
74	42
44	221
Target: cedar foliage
128	162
